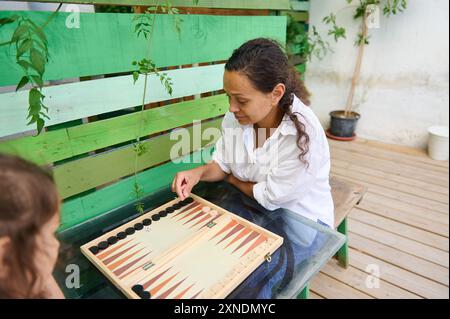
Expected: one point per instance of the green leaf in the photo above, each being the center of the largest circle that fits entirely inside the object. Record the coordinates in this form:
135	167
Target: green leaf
34	98
42	46
33	110
135	76
37	61
38	80
40	125
44	115
19	32
139	206
33	120
38	31
8	20
137	27
24	47
22	82
24	64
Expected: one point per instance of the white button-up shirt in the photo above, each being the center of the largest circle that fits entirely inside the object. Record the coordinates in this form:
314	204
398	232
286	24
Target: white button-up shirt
282	180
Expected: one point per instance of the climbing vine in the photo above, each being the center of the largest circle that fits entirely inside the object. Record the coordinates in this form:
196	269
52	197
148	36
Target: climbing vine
32	55
144	28
31	46
308	44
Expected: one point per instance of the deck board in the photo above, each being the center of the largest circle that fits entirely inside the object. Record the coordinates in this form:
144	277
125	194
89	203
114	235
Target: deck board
401	225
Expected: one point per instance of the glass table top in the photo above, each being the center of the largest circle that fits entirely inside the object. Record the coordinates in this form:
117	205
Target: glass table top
307	246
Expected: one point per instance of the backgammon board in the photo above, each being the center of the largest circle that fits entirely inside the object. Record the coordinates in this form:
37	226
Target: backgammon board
182	250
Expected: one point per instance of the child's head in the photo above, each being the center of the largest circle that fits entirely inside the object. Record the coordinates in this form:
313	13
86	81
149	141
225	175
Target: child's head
29	217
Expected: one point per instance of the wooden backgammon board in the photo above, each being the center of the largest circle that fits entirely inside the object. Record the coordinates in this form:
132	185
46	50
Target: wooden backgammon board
182	250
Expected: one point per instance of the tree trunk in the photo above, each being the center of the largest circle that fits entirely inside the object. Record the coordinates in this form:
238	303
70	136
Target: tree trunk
357	72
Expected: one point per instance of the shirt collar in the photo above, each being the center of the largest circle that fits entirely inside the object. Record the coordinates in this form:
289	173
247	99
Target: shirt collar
287	126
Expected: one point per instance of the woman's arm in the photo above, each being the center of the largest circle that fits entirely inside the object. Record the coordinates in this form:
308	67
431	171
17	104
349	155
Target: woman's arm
245	187
211	172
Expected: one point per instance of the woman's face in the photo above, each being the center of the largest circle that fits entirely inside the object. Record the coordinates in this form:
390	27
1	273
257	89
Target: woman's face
248	105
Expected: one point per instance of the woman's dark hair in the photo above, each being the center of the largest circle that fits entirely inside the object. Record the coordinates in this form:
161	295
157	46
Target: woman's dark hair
28	200
264	62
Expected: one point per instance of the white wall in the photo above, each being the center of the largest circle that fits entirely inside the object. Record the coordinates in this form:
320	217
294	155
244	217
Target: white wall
404	85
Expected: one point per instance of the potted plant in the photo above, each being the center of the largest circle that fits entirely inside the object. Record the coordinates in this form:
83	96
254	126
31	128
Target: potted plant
343	122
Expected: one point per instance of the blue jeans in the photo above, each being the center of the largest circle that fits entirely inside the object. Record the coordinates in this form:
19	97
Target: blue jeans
300	243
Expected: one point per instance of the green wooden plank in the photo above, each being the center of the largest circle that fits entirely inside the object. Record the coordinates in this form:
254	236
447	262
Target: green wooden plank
81	209
105	42
296	16
342	253
57	145
43	149
297	5
67	102
230	4
304	294
62	126
77	176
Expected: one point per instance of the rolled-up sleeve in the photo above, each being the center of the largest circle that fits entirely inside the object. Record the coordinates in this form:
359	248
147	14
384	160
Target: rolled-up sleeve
289	181
219	155
285	184
261	196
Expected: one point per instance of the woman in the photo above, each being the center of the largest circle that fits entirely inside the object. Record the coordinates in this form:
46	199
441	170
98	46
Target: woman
29	217
274	152
273	148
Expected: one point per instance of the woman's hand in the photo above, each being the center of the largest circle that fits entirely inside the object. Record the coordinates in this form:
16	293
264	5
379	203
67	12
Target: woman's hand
184	182
51	289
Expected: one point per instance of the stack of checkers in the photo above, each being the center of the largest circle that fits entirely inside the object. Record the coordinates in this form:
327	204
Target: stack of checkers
139	290
139	226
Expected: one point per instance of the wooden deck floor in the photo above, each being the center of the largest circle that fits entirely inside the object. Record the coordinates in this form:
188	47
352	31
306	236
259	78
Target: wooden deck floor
400	228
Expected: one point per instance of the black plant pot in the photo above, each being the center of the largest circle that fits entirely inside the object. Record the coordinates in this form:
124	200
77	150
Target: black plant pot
343	126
